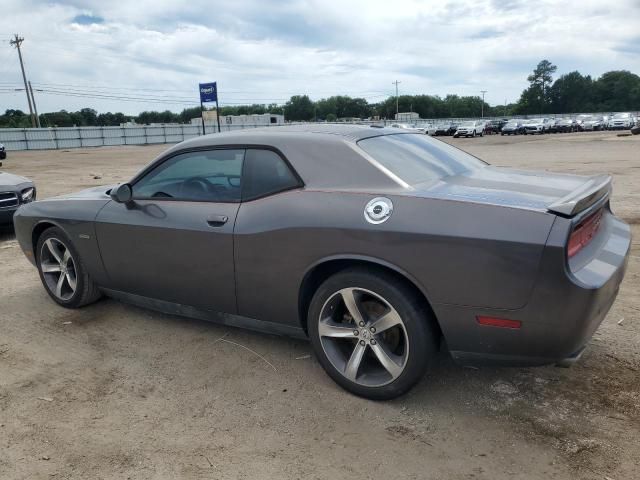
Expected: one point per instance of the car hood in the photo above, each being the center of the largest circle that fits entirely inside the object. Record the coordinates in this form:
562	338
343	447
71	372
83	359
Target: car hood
93	193
532	190
10	180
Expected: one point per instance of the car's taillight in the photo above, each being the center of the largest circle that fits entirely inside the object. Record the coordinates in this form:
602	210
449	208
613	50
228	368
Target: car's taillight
583	233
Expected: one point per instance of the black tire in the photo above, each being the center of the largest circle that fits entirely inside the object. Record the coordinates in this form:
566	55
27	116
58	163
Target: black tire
421	332
86	291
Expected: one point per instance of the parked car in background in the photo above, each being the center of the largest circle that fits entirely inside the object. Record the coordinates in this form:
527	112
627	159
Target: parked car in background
427	129
494	126
580	119
470	128
622	121
3	152
593	123
380	245
535	125
512	127
564	125
402	125
14	191
446	128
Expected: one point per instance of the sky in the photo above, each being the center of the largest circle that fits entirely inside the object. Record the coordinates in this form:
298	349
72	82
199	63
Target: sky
131	56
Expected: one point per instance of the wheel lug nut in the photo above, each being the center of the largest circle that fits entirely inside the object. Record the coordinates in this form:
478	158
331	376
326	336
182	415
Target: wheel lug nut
356	332
373	329
361	324
373	342
362	342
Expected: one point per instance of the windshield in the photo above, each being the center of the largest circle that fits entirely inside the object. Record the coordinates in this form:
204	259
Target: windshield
511	124
621	115
416	158
468	124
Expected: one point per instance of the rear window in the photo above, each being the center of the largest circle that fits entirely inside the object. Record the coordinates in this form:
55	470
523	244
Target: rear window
416	158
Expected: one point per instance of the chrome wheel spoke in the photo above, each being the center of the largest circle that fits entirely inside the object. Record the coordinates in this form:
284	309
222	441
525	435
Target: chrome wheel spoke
376	326
335	331
50	267
58	268
71	280
351	369
55	252
350	301
386	321
65	258
391	363
59	285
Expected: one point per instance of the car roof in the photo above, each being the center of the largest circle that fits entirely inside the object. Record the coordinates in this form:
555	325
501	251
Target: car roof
324	155
349	132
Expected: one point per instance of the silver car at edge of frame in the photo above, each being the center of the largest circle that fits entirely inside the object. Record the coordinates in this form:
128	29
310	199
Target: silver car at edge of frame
380	245
14	191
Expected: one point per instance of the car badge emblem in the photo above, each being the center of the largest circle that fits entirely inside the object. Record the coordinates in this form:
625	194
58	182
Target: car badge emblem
378	210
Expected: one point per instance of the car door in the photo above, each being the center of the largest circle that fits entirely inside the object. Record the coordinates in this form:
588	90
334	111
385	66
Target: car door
266	290
174	241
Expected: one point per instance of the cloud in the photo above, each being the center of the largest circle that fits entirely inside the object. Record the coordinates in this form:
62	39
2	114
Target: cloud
266	50
87	19
631	46
486	33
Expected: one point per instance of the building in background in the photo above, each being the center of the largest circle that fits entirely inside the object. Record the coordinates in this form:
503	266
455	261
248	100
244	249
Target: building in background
266	119
407	117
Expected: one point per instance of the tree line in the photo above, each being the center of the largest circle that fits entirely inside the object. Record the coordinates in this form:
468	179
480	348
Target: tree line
570	93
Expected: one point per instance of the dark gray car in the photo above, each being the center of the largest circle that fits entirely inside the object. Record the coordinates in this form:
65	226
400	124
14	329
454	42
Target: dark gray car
380	245
14	191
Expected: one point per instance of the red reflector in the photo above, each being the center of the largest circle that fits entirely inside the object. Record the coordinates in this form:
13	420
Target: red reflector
499	322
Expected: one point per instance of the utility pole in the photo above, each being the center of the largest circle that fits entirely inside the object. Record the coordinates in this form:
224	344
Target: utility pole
16	42
396	84
482	110
35	109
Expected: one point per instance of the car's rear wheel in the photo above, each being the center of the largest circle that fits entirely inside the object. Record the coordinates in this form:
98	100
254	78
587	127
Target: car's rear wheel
371	333
62	272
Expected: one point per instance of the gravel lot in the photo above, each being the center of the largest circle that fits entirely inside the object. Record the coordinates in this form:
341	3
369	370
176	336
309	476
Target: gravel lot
113	391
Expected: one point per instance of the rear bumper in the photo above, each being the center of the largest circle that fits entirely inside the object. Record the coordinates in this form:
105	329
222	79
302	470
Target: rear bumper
567	305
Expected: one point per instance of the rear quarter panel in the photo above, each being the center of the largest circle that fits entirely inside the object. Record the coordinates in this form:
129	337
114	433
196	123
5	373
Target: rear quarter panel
456	252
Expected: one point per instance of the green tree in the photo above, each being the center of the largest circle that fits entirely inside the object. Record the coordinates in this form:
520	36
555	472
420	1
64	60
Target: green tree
572	93
617	91
299	108
535	99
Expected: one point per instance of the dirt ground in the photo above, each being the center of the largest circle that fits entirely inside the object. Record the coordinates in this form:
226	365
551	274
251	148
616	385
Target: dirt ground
113	391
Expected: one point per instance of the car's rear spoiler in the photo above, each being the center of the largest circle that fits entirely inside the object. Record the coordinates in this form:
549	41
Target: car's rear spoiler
583	197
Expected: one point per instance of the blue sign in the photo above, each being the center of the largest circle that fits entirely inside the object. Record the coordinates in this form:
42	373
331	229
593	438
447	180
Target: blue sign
208	92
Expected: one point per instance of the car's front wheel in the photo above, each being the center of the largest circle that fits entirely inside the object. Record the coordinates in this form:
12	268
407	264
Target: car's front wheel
62	272
371	333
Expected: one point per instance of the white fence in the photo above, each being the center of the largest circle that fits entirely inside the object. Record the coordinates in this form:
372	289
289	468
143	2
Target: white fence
77	137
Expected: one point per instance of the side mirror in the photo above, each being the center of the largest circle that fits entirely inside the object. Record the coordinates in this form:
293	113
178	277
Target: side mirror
122	193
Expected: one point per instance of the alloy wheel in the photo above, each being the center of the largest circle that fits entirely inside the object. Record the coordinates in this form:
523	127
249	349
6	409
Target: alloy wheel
363	337
58	269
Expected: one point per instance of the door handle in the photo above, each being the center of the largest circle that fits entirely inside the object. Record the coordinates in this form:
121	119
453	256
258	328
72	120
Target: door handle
217	220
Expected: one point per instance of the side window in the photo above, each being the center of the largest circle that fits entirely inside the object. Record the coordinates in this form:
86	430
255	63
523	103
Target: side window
265	172
203	176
